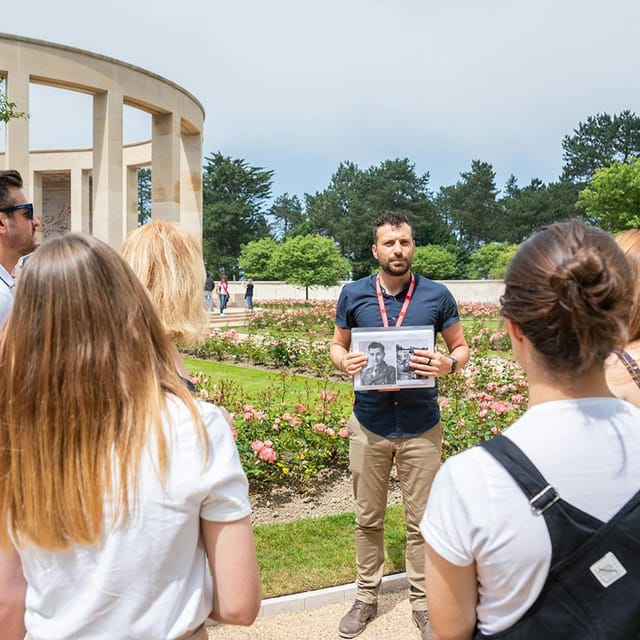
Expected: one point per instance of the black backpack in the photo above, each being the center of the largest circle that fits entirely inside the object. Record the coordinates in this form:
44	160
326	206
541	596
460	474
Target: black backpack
592	591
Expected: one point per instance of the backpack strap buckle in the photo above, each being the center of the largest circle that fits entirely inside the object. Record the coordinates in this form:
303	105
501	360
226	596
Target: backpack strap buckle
544	499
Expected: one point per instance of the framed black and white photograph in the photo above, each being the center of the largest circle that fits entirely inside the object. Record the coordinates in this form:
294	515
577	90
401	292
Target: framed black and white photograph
389	350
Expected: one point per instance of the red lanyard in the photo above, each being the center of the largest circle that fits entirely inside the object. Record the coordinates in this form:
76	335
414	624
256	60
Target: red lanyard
405	305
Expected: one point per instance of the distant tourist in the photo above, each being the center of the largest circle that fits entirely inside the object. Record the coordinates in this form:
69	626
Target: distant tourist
209	285
248	294
223	293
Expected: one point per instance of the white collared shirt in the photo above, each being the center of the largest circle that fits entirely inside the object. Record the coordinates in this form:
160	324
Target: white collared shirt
7	291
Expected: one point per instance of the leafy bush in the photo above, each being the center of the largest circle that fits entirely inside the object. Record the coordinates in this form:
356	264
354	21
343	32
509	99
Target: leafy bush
280	440
435	262
491	260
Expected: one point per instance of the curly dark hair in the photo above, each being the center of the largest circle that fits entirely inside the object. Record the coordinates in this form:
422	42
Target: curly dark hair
393	218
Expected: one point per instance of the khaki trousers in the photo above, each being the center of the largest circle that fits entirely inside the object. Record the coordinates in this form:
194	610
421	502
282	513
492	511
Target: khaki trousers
370	459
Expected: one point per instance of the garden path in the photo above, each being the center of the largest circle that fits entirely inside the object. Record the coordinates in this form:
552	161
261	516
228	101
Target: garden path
393	621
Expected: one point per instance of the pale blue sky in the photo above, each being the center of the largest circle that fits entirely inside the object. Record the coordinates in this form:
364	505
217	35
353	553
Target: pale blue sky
298	86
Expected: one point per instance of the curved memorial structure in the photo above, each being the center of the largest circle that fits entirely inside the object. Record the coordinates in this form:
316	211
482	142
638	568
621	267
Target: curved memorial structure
95	190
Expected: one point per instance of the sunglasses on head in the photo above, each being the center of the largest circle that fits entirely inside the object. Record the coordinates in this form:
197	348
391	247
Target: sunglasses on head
28	207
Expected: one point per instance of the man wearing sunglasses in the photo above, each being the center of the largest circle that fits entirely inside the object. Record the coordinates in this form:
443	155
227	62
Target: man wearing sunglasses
17	234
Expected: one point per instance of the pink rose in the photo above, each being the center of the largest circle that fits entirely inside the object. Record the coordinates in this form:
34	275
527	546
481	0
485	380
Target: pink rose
267	454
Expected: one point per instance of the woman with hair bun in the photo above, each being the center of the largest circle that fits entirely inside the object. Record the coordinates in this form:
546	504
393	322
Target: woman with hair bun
125	509
623	370
506	562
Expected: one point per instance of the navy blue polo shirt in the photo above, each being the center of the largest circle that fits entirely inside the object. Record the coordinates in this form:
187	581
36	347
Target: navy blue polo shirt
408	412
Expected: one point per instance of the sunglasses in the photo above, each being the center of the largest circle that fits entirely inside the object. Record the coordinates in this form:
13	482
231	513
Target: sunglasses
28	207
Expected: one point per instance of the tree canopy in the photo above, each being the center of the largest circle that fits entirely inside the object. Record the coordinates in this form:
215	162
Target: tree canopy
308	261
450	226
611	200
235	197
599	142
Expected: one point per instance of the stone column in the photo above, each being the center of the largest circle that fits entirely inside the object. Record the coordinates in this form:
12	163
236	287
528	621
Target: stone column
37	199
80	205
17	140
131	199
107	167
165	160
191	183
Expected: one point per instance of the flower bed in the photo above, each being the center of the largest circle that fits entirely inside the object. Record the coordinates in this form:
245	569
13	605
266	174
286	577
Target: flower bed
292	442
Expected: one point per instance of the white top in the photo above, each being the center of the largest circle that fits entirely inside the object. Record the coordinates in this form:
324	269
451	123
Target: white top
150	579
588	449
7	291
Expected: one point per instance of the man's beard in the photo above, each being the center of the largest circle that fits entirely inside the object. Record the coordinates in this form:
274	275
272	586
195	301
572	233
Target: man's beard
396	271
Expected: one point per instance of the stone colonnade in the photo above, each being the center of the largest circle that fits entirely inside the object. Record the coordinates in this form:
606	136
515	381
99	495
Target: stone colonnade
95	190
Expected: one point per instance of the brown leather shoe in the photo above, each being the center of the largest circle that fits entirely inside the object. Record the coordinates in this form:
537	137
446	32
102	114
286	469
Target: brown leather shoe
355	621
421	620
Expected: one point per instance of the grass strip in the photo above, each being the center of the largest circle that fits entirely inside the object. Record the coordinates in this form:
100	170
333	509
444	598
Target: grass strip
315	553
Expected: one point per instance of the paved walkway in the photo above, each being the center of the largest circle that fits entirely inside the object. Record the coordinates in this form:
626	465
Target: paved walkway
393	621
315	615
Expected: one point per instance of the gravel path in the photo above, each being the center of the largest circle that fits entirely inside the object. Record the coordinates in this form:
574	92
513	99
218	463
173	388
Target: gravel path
393	621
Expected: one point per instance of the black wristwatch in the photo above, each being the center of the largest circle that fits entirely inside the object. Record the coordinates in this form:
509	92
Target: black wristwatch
454	364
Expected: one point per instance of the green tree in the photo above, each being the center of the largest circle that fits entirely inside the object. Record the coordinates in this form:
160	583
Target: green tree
340	212
289	216
611	200
491	260
234	198
144	195
599	142
346	209
435	262
470	206
309	261
256	258
528	208
8	109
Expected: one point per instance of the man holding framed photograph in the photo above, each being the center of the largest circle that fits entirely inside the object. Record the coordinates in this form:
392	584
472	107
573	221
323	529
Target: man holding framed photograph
394	425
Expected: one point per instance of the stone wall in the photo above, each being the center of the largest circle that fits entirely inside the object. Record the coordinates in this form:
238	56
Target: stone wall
463	291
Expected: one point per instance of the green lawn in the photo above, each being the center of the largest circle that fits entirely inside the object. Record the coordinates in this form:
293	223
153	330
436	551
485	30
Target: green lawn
255	382
320	552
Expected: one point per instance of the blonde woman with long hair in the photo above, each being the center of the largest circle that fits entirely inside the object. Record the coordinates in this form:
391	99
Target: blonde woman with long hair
168	261
125	506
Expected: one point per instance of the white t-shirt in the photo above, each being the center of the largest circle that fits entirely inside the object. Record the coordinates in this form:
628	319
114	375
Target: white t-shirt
588	449
149	579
